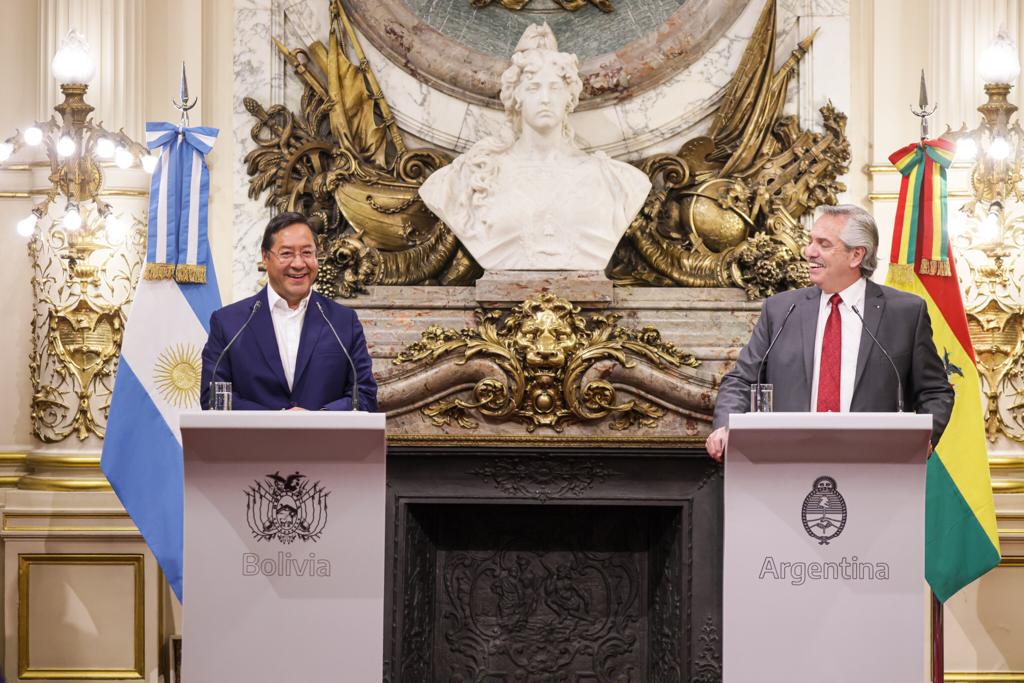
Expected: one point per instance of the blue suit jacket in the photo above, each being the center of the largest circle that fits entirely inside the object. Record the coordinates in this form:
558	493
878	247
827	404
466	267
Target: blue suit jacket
323	376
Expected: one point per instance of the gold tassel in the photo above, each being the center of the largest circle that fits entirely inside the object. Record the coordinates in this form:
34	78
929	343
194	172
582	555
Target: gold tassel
901	275
190	274
932	267
158	271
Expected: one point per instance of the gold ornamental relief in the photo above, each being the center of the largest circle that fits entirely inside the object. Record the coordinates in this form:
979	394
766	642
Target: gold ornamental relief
541	351
726	208
991	270
342	162
82	281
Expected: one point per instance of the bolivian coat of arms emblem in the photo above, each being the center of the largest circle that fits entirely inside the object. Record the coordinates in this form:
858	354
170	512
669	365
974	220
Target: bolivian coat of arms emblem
286	508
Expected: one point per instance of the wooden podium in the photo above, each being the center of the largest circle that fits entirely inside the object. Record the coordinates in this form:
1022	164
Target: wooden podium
824	547
284	546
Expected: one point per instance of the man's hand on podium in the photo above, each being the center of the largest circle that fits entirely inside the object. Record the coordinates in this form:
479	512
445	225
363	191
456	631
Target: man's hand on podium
294	408
717	442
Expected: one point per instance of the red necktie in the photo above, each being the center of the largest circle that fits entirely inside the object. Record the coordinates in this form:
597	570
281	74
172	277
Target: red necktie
831	360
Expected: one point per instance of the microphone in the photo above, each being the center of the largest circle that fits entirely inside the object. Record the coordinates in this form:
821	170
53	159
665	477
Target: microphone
899	382
355	371
213	377
760	368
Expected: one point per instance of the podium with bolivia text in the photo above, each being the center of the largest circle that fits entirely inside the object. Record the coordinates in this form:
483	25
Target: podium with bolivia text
824	547
284	546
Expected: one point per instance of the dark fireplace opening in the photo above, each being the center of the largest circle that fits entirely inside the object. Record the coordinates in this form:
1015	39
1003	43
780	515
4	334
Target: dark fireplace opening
503	593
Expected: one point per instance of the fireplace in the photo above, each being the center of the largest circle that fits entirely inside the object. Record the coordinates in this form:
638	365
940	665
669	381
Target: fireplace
542	565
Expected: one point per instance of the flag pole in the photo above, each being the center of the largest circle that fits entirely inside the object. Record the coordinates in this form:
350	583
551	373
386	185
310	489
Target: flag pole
938	644
937	637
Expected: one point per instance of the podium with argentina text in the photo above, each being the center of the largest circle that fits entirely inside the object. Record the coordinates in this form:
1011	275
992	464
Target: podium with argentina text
824	548
284	546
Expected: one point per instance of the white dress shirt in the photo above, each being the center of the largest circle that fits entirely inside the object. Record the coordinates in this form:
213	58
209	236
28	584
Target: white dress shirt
288	329
851	331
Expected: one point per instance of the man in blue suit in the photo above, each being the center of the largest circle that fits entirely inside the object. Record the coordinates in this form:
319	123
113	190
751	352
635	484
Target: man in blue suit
288	358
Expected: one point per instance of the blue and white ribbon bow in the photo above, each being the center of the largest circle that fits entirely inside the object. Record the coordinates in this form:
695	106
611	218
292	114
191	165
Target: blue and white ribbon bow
178	248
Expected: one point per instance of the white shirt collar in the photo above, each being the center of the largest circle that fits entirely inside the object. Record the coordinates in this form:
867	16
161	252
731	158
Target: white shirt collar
851	296
273	299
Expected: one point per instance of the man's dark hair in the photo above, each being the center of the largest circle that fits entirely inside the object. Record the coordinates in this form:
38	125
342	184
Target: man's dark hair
279	223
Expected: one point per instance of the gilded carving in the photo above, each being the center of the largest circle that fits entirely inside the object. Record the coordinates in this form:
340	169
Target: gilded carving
989	245
82	281
725	211
542	351
342	162
991	270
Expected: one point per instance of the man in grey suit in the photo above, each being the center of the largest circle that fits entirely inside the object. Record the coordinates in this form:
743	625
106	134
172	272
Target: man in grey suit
824	359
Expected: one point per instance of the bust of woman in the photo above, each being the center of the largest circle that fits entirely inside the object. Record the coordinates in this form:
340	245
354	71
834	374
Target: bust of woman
529	198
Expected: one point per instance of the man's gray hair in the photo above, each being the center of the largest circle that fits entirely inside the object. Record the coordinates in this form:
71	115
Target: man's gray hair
859	230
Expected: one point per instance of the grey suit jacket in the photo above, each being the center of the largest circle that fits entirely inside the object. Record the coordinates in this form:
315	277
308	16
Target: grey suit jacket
900	322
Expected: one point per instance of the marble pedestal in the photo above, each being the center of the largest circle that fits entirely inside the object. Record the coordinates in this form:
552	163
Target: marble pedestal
509	287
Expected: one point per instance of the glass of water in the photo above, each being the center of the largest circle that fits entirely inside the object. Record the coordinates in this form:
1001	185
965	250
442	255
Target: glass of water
221	395
761	396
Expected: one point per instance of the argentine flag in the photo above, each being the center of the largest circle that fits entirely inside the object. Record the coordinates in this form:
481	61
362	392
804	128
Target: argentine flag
159	368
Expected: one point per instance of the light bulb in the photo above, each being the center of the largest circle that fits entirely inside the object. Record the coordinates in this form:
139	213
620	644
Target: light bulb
65	146
27	225
72	219
149	162
116	229
104	148
6	150
123	158
33	136
999	149
999	62
966	149
73	63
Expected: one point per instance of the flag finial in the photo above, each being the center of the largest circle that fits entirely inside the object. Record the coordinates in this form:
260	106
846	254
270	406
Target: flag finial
184	105
922	112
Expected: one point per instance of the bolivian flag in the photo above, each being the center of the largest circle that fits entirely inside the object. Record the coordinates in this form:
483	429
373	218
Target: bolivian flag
961	542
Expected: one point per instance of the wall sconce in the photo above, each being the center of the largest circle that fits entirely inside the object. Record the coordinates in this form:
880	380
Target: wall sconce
75	145
997	144
86	262
989	242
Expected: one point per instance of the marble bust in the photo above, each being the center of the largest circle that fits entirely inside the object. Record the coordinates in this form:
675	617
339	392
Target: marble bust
529	198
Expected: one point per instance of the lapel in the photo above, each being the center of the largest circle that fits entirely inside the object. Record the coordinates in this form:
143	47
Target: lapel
874	306
266	339
808	310
312	327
